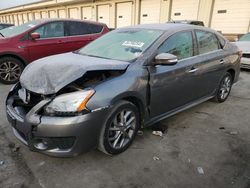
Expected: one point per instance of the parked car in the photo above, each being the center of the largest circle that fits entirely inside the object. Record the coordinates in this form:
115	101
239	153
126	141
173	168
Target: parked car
192	22
244	45
23	44
4	25
130	78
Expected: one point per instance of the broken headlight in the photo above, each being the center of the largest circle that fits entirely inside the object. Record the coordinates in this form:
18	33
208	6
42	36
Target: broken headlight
70	103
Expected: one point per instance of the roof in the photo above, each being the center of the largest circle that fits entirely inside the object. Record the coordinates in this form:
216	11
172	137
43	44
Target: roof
66	19
167	27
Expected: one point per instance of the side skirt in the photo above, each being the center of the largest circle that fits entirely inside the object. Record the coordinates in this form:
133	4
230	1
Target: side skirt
175	111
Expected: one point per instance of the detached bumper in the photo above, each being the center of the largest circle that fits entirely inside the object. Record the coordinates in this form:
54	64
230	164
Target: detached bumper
245	63
56	136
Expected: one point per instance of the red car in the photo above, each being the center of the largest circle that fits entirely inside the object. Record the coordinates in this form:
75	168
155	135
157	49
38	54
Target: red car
23	44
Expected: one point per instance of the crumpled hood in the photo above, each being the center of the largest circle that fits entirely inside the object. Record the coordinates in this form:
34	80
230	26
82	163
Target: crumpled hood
50	74
244	46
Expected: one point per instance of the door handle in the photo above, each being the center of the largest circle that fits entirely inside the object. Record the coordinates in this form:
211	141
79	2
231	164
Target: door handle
222	61
192	70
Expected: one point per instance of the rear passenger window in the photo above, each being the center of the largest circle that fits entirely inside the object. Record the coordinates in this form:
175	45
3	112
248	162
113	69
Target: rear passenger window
207	42
180	45
80	28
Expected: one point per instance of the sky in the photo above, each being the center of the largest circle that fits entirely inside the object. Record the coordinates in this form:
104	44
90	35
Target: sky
13	3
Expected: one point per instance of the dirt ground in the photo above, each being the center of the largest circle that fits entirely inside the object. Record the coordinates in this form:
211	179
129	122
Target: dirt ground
206	146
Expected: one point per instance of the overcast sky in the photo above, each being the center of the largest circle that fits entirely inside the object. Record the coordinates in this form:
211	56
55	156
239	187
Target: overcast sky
13	3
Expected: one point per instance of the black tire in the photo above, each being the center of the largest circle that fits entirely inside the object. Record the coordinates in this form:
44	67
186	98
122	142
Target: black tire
10	70
227	78
106	142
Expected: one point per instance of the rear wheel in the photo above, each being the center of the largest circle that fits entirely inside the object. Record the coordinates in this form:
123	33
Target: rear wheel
224	88
10	70
120	129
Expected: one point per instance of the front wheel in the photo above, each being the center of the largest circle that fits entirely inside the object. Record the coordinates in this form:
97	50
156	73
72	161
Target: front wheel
224	88
10	70
120	129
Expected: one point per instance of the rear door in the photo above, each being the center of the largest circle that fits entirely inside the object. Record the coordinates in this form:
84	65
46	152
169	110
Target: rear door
212	61
81	33
52	41
175	85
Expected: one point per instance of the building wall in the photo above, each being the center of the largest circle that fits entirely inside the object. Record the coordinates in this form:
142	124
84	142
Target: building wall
118	13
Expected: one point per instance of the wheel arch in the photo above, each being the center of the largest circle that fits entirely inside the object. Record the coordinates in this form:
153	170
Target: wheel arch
137	101
232	72
10	54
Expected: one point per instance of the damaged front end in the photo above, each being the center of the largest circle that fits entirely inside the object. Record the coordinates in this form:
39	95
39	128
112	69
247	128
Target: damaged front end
58	123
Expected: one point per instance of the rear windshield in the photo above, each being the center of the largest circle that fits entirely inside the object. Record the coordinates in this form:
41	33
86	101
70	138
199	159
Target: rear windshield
124	45
245	37
16	30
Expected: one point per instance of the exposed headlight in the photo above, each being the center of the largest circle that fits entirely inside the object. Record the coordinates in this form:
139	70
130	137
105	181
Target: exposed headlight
69	103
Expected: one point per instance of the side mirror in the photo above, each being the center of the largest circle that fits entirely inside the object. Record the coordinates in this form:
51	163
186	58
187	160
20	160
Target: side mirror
165	59
35	36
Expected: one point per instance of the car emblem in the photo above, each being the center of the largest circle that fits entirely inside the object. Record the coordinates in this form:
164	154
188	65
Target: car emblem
24	95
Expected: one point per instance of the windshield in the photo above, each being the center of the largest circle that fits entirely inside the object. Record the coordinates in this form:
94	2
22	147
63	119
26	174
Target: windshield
245	37
16	30
121	45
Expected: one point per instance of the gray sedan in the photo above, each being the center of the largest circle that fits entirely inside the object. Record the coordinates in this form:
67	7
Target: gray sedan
100	95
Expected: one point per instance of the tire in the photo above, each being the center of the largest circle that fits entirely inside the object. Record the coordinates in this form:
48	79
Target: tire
10	70
224	88
115	138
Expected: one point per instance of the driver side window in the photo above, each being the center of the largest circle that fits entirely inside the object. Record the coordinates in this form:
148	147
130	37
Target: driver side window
51	30
180	45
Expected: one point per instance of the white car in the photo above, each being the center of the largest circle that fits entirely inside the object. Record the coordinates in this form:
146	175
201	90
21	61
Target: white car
244	45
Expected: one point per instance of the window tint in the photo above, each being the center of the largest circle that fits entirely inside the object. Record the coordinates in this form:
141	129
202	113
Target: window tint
207	42
51	30
180	45
80	28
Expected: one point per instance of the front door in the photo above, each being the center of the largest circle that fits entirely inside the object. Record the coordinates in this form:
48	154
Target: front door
173	86
52	41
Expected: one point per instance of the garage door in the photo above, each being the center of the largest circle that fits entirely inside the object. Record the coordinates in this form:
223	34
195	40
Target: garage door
124	14
20	19
30	16
103	14
37	15
230	16
15	19
87	13
73	13
44	14
25	17
150	11
62	13
185	10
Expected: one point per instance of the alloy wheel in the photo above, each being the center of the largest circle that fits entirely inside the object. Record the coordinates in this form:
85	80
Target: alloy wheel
122	129
225	87
10	71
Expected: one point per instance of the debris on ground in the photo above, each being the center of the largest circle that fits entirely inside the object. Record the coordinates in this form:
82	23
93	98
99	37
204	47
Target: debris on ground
222	128
160	127
233	132
16	149
41	163
200	170
157	133
156	158
140	133
1	163
189	160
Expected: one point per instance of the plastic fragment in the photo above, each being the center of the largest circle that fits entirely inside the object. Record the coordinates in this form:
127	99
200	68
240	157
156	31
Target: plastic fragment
157	133
200	170
156	158
1	163
140	133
